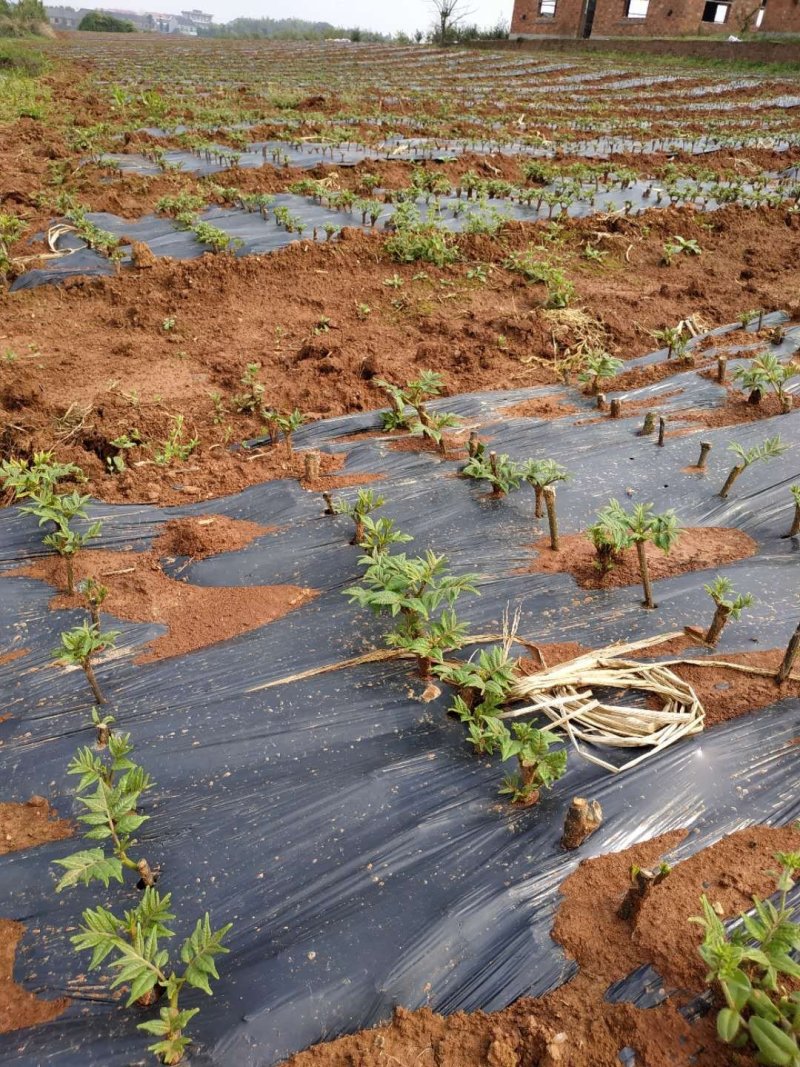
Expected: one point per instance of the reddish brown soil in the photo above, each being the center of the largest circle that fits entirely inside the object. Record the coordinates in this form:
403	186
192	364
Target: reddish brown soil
551	655
539	407
697	549
455	446
574	1026
128	373
30	824
207	535
556	652
726	694
18	1007
734	411
25	826
638	377
634	407
9	657
195	616
730	873
587	925
331	482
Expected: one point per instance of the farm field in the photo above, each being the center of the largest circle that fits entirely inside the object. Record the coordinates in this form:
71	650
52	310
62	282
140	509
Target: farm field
397	445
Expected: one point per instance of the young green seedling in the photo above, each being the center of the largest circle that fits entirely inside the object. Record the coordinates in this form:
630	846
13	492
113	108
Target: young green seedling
216	239
419	420
109	790
541	473
37	477
378	535
432	425
599	366
766	372
285	424
485	731
140	962
251	401
175	447
94	593
772	447
365	503
78	648
674	339
616	529
420	593
755	967
644	526
61	510
727	604
502	473
677	245
609	536
643	881
538	766
488	677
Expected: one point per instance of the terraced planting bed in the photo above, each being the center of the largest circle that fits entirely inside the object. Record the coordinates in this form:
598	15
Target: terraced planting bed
399	449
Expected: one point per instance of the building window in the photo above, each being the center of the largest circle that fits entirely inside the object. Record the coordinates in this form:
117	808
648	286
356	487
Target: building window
547	8
714	12
636	9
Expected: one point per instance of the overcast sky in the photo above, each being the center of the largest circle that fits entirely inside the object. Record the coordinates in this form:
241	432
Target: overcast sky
408	15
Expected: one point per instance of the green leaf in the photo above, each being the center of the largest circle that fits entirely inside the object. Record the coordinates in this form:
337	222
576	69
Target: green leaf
156	1027
198	952
172	1050
728	1024
87	764
763	1006
91	865
142	984
777	1048
101	933
737	989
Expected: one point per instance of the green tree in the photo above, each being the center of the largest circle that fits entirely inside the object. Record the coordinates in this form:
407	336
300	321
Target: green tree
100	22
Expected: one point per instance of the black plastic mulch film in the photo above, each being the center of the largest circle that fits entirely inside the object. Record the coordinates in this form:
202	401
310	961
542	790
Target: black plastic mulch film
256	235
344	827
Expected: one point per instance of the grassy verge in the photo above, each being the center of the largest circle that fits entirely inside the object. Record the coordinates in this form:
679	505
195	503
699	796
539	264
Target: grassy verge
18	57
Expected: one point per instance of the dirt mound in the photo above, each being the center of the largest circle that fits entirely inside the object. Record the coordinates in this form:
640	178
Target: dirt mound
140	591
207	536
697	548
575	1026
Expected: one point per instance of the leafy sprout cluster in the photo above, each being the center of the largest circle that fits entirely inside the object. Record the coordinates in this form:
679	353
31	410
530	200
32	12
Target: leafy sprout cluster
409	409
754	966
764	372
419	594
36	480
483	687
506	475
109	790
616	529
251	402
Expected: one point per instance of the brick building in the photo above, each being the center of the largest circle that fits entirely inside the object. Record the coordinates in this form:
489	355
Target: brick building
652	18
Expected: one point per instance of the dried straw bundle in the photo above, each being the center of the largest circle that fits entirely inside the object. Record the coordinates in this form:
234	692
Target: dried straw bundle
564	694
